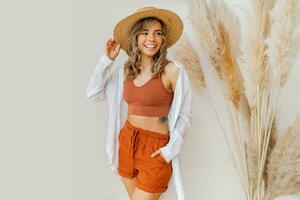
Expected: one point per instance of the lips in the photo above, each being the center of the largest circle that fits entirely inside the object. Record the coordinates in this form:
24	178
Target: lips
150	46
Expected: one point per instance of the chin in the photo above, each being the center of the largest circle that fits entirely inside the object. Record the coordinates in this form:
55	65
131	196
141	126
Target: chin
150	54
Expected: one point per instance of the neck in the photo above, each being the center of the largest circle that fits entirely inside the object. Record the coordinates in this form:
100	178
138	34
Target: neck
147	62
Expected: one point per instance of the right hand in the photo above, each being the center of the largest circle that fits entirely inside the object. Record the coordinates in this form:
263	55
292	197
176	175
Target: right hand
112	48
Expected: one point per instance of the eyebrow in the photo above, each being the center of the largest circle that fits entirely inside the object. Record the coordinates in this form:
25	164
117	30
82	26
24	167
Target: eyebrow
154	30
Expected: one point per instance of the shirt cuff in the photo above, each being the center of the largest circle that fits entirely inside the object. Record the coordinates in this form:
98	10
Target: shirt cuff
172	149
106	60
166	153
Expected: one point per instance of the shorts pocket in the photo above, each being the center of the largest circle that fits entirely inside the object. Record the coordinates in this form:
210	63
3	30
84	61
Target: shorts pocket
124	139
161	159
121	133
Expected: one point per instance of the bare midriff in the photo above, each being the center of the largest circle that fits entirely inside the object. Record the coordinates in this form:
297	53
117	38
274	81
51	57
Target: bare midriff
156	124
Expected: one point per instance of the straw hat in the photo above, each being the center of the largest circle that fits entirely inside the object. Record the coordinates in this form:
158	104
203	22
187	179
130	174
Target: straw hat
170	19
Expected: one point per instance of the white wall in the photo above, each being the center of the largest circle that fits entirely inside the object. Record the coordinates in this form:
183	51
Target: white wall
52	138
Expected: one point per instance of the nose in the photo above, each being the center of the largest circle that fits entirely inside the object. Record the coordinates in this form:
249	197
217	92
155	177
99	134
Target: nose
150	37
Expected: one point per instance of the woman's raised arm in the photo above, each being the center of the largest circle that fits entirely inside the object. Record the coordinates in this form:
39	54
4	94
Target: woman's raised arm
97	82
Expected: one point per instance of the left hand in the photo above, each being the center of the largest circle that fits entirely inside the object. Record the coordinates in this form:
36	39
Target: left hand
157	153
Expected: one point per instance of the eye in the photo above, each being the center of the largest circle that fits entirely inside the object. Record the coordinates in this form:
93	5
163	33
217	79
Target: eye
158	33
144	33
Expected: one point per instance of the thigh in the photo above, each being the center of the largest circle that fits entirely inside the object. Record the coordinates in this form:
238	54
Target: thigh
142	195
129	185
125	159
154	173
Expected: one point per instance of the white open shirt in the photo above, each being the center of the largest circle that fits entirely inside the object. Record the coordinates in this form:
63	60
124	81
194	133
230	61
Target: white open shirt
107	84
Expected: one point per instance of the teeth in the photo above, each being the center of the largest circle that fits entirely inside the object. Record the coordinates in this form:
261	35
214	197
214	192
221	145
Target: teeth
150	46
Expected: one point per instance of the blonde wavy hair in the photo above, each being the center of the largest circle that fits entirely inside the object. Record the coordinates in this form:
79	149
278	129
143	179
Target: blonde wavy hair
133	63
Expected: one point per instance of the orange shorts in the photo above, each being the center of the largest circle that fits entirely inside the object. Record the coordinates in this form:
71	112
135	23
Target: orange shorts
135	148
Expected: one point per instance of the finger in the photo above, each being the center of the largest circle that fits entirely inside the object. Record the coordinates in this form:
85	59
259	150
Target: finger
110	41
113	47
155	153
117	47
109	44
113	44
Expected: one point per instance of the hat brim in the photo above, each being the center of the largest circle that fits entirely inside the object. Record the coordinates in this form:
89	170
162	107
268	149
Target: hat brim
170	19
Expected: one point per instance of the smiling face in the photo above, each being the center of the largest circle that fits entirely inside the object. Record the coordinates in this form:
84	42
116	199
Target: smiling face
150	39
147	42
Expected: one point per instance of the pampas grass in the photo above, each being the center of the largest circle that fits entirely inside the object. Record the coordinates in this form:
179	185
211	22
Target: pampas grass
221	44
206	28
229	71
283	45
246	69
255	60
191	61
284	166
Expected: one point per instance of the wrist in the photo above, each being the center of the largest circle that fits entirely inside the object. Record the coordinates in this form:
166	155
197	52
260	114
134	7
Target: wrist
106	59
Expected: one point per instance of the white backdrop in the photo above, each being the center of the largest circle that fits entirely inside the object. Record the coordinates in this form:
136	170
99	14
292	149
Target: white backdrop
52	143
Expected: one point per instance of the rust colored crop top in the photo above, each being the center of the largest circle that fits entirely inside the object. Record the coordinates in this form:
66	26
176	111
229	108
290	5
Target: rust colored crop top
150	99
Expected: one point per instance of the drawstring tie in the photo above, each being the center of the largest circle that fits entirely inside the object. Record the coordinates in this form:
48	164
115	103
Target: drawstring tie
134	144
134	141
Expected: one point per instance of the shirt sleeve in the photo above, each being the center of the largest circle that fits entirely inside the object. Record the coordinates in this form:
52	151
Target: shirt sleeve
182	125
98	80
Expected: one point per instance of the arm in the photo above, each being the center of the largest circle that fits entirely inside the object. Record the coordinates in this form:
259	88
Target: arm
182	124
96	89
97	83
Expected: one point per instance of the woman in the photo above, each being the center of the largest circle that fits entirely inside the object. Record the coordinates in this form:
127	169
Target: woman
149	102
